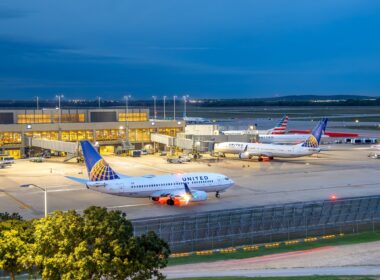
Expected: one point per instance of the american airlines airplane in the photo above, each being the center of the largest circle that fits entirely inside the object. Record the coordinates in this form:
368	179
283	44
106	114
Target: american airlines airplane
174	189
280	128
248	150
288	138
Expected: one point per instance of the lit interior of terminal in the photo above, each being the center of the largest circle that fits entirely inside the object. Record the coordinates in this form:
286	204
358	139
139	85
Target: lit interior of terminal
108	127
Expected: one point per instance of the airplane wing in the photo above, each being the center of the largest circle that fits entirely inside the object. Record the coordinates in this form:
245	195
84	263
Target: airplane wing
266	154
179	196
168	193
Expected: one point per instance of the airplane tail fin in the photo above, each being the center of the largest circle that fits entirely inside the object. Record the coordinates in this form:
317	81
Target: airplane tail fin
316	135
97	168
280	128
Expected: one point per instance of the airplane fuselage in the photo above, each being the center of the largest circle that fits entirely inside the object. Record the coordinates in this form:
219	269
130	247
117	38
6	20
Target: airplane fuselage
147	186
246	150
284	138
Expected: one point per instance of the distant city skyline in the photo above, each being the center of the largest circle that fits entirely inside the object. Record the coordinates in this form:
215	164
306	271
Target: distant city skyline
203	48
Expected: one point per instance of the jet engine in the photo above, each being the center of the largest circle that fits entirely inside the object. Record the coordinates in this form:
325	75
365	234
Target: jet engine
244	155
198	196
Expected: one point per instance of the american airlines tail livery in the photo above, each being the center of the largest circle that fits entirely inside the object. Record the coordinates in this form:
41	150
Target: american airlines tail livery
248	150
173	189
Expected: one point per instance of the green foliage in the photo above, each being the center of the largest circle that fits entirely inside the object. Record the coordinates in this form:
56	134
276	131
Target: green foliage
15	245
6	216
99	244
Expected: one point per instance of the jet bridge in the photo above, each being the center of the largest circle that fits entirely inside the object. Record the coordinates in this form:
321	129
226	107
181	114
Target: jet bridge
70	148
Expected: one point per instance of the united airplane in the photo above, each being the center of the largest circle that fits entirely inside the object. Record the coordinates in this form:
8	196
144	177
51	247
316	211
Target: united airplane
288	138
248	150
174	189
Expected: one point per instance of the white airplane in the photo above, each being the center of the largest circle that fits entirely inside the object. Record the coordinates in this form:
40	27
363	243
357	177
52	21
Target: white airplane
287	138
280	128
375	147
174	189
248	150
195	120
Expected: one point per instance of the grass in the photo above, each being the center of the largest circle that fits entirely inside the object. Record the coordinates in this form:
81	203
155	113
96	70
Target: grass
291	278
241	254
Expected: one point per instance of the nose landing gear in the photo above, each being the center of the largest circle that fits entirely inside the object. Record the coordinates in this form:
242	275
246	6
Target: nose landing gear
217	195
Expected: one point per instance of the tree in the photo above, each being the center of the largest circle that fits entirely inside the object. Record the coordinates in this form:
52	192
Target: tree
59	244
99	244
149	256
15	245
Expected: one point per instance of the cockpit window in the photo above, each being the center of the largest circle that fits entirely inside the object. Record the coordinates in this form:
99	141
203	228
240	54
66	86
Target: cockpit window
226	178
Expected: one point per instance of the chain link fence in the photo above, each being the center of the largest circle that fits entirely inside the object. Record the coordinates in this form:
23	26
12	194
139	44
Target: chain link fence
254	225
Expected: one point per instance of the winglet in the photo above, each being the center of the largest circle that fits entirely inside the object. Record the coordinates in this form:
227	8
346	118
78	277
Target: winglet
187	189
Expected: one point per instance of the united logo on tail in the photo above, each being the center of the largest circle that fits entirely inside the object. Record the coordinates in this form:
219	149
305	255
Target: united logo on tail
314	139
97	168
311	142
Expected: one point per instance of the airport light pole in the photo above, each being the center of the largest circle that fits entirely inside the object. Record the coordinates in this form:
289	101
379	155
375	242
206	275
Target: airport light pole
99	102
37	103
184	105
42	189
59	96
164	107
154	106
126	97
174	97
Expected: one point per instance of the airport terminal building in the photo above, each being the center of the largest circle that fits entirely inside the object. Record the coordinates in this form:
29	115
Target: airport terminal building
109	127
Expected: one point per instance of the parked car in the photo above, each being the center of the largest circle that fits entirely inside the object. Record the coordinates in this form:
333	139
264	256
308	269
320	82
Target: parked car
374	155
175	160
7	160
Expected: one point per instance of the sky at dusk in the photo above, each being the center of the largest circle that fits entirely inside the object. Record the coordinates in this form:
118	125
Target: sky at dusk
204	48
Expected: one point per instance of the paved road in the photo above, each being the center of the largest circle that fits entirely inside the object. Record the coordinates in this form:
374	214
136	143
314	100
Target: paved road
350	270
357	259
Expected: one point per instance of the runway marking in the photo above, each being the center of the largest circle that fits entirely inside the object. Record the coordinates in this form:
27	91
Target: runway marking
119	206
21	204
66	190
129	205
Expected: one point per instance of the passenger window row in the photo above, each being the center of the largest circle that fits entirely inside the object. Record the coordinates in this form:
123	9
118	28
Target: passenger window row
167	184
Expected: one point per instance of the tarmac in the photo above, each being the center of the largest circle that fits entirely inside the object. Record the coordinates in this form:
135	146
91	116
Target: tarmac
342	170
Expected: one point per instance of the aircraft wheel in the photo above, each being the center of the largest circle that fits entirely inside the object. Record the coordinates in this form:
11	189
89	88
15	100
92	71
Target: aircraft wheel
217	195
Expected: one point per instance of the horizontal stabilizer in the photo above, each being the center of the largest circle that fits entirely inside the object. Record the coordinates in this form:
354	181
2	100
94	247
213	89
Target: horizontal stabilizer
78	180
122	176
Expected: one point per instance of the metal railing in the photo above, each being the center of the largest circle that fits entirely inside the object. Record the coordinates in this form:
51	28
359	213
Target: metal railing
254	225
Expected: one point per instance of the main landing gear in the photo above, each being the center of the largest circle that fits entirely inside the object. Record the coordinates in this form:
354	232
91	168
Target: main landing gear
217	195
